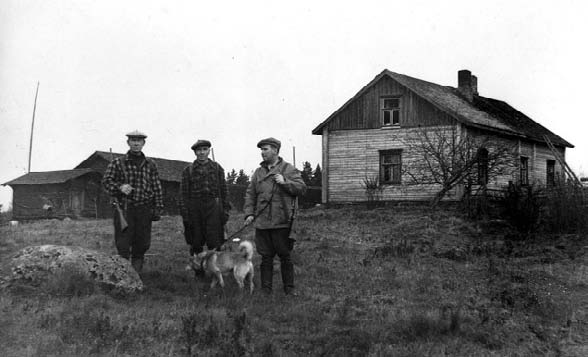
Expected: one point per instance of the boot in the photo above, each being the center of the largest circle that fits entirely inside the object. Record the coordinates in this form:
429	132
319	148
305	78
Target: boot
287	269
267	274
137	264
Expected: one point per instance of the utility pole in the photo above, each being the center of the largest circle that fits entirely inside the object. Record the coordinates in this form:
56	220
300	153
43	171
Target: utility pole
33	128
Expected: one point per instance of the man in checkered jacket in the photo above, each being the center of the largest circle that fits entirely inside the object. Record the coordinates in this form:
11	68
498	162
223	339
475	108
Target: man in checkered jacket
133	181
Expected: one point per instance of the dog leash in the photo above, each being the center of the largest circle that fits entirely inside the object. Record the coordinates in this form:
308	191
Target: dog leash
254	216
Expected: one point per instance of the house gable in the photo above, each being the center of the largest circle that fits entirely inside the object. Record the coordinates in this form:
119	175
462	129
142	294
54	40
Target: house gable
363	111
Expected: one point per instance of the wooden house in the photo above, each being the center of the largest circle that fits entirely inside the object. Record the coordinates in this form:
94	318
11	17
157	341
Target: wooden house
78	192
373	132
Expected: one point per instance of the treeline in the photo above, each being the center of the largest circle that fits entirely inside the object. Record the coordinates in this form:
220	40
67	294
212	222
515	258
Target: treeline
311	177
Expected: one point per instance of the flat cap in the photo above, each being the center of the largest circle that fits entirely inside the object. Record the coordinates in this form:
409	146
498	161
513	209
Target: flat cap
201	143
270	141
136	134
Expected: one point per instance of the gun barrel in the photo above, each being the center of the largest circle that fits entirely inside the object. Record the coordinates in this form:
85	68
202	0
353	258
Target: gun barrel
123	222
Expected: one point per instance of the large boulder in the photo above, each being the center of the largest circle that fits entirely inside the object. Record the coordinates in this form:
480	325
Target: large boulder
37	264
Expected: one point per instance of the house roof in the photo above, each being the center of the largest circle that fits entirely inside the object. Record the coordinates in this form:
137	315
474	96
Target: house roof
169	170
484	113
49	177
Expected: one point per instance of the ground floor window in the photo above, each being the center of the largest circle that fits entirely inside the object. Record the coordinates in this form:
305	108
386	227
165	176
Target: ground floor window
390	166
550	179
524	170
482	166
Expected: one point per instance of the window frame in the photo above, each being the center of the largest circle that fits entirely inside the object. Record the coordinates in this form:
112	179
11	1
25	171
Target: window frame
550	174
391	110
385	165
483	166
524	170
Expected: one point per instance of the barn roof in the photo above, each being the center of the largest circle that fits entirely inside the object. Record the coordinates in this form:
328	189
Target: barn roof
49	177
484	113
169	170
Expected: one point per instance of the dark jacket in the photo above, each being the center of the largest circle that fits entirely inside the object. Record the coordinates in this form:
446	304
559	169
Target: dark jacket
200	182
277	213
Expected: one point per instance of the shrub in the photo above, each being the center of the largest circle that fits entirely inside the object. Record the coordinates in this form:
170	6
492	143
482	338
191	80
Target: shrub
522	207
373	190
565	209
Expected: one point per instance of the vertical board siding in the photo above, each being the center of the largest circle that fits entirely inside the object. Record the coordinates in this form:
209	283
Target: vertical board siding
364	111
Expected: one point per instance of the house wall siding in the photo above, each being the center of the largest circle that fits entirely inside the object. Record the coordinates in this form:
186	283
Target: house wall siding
354	155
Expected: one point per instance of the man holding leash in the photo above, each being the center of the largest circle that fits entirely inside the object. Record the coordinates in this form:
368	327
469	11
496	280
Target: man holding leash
270	202
133	182
204	204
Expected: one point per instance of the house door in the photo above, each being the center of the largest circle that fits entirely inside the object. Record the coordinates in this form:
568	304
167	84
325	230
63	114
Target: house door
77	201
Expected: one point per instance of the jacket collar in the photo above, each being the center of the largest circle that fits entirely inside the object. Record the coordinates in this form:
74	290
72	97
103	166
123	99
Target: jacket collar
198	163
275	169
129	156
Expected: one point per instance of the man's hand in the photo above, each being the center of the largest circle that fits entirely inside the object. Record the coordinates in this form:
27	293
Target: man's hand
126	189
248	220
279	179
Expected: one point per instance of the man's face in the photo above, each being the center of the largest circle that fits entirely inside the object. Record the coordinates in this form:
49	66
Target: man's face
269	153
202	153
136	144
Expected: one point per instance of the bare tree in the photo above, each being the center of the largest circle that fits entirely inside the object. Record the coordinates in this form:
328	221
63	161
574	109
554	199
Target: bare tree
447	157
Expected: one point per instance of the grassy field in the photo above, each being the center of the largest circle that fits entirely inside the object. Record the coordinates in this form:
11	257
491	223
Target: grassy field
384	282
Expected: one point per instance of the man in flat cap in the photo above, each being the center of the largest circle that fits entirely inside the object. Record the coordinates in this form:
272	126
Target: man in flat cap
270	203
133	182
204	204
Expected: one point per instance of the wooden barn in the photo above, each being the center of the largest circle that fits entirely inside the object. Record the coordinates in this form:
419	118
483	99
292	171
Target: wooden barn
78	192
170	174
58	194
375	132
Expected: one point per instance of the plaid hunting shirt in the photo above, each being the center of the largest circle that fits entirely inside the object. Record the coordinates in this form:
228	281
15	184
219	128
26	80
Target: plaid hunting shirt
201	181
141	174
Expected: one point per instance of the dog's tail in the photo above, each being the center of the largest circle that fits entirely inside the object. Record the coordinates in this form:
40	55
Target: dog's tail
247	249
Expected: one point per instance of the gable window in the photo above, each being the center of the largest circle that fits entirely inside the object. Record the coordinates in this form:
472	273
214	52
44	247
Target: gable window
524	170
390	111
550	170
482	166
390	166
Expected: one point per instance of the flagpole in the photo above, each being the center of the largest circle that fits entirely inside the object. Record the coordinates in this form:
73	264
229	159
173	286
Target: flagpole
33	127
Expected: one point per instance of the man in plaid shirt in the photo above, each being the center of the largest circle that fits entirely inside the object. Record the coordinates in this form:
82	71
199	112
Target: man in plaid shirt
204	204
133	181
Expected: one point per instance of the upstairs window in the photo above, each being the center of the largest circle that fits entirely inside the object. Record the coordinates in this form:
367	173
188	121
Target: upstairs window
482	166
390	166
524	170
390	111
550	171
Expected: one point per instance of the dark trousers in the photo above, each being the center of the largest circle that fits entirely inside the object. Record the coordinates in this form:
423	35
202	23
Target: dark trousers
136	239
204	225
269	243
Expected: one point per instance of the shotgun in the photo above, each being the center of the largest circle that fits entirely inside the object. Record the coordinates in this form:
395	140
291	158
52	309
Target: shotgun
121	216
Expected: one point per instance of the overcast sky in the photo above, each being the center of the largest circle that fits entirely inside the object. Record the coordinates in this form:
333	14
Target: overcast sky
235	72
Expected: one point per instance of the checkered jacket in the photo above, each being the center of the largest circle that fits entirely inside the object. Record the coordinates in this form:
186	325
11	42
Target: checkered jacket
201	181
144	179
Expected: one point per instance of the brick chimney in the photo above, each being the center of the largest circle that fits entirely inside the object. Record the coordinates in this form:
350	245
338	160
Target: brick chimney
474	85
467	84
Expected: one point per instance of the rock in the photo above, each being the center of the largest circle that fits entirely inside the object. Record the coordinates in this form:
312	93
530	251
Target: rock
36	264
